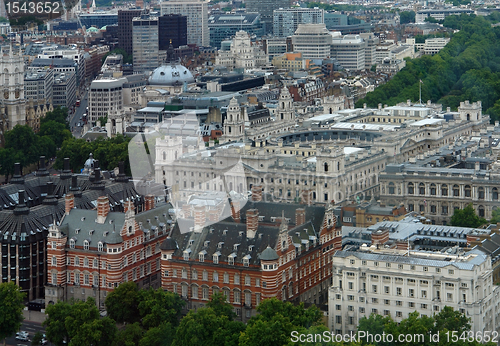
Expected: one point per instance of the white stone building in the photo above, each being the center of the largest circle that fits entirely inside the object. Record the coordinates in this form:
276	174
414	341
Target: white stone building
105	98
349	51
13	103
313	41
394	283
243	54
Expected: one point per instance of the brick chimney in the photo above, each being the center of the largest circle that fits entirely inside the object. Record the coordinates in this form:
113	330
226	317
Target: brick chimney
149	202
235	211
102	209
300	216
199	218
380	237
256	193
252	222
186	209
69	202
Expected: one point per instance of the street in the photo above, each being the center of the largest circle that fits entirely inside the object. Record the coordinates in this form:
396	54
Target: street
31	328
75	118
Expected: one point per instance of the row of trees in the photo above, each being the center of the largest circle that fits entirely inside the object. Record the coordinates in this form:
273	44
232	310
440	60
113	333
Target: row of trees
468	68
153	318
24	146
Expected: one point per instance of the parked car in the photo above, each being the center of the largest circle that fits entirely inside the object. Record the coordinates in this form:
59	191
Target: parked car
23	333
22	338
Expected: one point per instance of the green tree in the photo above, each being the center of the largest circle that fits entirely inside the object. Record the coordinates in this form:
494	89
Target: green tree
11	306
158	306
55	324
46	146
406	17
57	131
130	336
122	304
163	335
59	114
221	307
376	325
37	339
8	157
466	217
495	215
22	139
103	120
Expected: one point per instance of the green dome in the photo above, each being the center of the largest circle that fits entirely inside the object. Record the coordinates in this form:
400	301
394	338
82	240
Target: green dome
268	255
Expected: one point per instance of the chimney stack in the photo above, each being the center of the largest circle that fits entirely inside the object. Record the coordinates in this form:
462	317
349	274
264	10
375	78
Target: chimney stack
235	211
121	172
307	197
17	177
252	222
69	203
42	170
300	216
256	193
199	218
66	173
102	209
186	209
149	202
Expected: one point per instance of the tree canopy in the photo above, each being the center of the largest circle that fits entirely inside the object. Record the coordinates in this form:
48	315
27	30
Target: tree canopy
466	217
11	307
467	68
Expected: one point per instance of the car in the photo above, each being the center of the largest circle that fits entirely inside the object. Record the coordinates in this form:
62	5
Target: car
23	333
22	338
44	341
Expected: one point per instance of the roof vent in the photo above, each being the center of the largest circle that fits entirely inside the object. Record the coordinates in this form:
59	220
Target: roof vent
77	230
224	232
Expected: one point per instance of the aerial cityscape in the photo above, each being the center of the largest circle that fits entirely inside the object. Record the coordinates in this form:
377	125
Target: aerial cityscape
249	172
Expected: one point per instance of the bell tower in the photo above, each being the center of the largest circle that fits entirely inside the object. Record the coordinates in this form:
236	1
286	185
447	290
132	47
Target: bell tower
13	110
234	125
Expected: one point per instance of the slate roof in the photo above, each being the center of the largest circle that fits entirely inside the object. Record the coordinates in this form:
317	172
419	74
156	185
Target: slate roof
415	260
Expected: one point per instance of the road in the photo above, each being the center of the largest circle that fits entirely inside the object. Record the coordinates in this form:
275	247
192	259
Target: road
31	328
75	118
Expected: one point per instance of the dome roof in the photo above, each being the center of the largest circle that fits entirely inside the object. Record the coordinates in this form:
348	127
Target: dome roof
169	244
171	74
268	255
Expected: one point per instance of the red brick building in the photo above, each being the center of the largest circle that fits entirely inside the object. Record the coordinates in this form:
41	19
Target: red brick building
90	252
266	250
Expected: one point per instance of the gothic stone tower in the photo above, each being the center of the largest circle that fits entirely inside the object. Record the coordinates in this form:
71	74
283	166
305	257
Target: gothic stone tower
13	104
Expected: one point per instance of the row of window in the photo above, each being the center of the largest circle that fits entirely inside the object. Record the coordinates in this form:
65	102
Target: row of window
215	277
421	188
400	267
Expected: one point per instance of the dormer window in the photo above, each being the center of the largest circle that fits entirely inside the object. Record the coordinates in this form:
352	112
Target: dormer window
235	247
72	243
216	257
100	246
246	261
186	254
220	245
230	259
201	256
250	248
86	245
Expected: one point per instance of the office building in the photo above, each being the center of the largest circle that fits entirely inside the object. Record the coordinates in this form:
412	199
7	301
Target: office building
196	12
98	19
225	26
265	8
38	85
440	13
125	28
105	98
72	53
65	86
314	41
434	45
145	43
172	28
349	50
397	282
370	50
287	20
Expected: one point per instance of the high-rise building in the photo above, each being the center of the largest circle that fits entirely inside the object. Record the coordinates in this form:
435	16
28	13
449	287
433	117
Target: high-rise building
145	43
349	51
105	98
225	26
172	27
196	12
38	85
287	20
125	28
313	41
266	8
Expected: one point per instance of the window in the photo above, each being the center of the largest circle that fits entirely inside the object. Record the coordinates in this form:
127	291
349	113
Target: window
77	261
236	279
387	302
71	243
386	289
194	291
205	275
226	278
205	295
423	293
237	296
398	291
95	263
215	277
421	189
247	280
216	259
456	190
433	189
444	190
374	288
99	247
85	245
410	188
411	292
54	260
467	190
392	189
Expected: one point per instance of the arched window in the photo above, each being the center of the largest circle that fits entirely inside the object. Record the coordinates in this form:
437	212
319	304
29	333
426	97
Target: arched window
392	189
480	211
326	166
411	189
467	190
205	275
494	194
85	244
100	247
164	156
71	244
433	189
215	277
421	189
444	190
456	190
480	193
